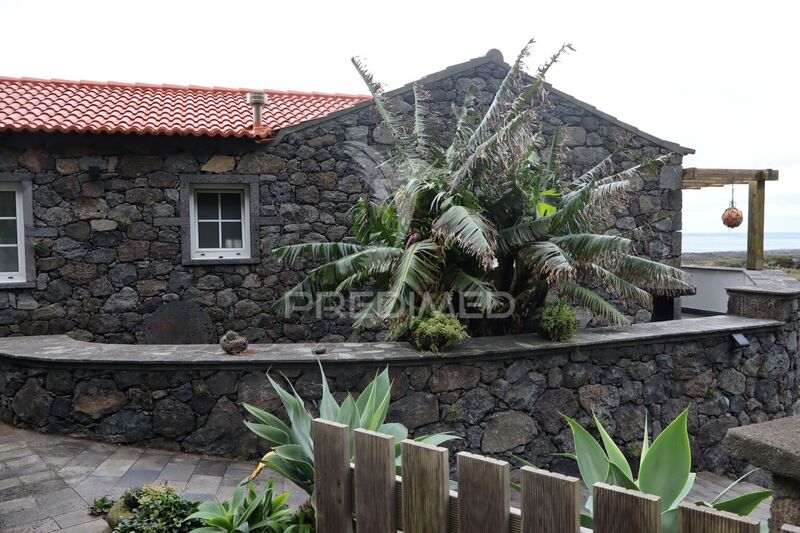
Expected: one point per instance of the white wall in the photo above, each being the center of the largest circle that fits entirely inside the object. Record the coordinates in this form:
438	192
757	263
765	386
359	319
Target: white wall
711	283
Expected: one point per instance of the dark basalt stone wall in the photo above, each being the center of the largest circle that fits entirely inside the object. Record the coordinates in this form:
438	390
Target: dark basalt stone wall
500	404
109	247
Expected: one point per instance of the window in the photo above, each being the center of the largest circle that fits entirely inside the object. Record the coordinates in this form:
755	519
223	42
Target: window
12	234
220	227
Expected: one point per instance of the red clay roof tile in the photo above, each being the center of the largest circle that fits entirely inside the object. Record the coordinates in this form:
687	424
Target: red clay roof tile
29	104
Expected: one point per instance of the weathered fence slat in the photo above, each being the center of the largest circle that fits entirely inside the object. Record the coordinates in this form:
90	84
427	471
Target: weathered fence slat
334	503
695	519
425	488
550	502
484	496
617	509
375	498
790	529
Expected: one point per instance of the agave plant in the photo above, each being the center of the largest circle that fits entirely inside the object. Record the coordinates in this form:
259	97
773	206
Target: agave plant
292	445
489	214
664	471
252	511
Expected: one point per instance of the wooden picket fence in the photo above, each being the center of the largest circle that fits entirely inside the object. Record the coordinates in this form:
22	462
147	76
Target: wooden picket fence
421	500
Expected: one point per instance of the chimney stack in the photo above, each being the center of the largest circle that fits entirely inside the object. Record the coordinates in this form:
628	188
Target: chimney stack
256	100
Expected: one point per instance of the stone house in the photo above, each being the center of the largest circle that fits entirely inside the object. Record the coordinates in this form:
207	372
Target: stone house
135	213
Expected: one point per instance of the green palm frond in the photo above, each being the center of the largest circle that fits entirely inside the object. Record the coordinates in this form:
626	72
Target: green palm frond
421	128
374	223
523	234
462	131
414	274
627	292
505	94
549	260
586	246
656	277
316	251
482	293
329	275
556	149
595	303
390	120
593	174
300	295
490	151
469	230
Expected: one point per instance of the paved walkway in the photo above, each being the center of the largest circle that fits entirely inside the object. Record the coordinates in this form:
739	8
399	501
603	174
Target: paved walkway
48	482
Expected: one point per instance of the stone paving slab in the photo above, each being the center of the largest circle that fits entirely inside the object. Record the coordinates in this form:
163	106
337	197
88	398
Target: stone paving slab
56	496
48	482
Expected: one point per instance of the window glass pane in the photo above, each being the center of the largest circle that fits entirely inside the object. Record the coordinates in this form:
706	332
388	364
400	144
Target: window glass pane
8	232
231	206
232	235
207	206
8	259
208	234
8	204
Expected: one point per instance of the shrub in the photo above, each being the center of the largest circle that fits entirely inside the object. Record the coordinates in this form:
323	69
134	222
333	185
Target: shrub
154	508
101	506
558	322
248	511
437	333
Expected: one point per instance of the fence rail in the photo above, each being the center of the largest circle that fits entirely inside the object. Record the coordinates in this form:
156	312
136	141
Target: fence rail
420	501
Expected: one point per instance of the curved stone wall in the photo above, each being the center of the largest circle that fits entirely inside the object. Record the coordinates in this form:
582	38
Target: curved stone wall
502	395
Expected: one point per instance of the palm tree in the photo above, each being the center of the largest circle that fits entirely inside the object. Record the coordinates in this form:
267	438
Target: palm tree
486	216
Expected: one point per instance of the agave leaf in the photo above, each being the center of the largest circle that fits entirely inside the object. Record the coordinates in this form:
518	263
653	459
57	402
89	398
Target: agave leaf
566	455
618	478
328	408
266	418
273	436
666	467
615	455
592	460
729	487
293	452
745	504
398	431
379	414
437	439
685	491
669	521
645	442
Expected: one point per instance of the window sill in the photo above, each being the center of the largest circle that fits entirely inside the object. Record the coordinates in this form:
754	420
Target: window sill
222	261
18	285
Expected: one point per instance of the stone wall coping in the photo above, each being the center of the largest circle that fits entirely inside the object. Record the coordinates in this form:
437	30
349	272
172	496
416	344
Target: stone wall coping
774	445
62	350
784	292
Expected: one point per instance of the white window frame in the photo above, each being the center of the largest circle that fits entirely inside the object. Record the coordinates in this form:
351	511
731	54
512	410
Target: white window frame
20	274
220	253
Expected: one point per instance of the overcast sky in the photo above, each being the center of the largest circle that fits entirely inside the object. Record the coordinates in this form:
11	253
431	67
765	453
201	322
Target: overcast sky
720	77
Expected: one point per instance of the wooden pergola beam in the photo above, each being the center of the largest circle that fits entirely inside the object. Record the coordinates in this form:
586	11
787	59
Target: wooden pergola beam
697	178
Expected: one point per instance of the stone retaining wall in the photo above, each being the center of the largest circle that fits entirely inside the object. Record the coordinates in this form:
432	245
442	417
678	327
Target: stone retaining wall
503	397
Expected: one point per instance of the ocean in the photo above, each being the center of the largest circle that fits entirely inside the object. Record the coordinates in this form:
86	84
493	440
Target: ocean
732	241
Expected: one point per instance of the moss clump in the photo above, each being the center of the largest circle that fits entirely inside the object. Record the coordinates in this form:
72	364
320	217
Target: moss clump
437	333
558	322
118	513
